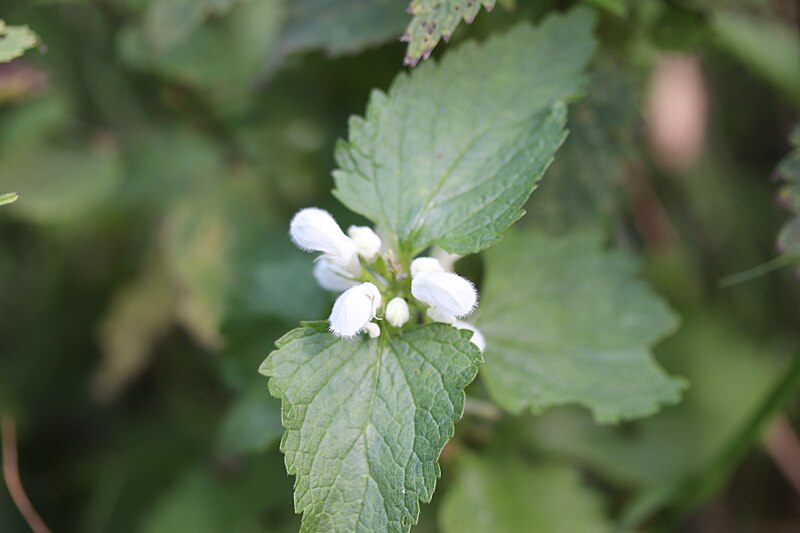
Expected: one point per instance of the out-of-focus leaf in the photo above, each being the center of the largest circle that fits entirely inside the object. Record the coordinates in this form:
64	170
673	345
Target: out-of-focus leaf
506	495
222	57
203	237
366	420
433	20
202	502
767	47
15	40
450	155
140	315
581	186
252	424
168	23
60	184
729	374
340	26
8	198
567	322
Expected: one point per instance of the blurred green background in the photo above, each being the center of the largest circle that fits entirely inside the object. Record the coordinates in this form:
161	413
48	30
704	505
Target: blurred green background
160	148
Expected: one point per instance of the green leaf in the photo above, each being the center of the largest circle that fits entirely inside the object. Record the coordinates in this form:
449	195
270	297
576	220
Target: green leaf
434	20
340	26
366	420
566	322
451	153
15	40
8	198
789	195
506	495
168	23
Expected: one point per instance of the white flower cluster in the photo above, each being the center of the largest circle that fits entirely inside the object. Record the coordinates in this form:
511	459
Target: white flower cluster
352	265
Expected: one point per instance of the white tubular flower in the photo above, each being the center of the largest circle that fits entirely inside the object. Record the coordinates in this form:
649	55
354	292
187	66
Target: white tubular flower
372	329
440	316
367	241
332	277
314	229
421	265
397	312
353	309
477	337
447	292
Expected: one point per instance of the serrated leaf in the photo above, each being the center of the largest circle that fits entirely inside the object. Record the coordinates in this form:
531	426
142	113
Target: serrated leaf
566	322
168	23
8	198
434	20
340	26
505	495
366	420
15	40
451	153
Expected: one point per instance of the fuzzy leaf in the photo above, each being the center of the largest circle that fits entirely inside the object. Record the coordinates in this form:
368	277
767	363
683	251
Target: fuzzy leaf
15	40
451	153
366	420
505	495
566	322
434	20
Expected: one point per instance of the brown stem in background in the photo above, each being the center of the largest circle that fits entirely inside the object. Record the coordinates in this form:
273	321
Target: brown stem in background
12	479
783	447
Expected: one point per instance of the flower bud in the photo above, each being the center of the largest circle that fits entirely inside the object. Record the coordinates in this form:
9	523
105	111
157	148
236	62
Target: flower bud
440	316
331	276
353	309
397	312
372	329
447	292
477	337
314	229
367	241
425	264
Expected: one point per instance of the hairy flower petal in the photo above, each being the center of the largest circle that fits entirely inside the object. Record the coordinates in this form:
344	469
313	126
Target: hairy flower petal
353	309
447	292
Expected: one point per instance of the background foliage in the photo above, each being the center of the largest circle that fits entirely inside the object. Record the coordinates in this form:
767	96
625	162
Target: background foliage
160	147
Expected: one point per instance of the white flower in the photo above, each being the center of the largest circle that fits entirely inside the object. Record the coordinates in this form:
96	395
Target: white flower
332	277
397	312
353	309
367	241
477	337
314	229
447	292
440	316
372	329
421	265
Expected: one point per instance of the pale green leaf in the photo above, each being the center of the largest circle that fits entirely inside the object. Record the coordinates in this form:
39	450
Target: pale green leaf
168	23
8	198
340	26
505	495
789	172
451	153
433	20
366	420
566	322
15	40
